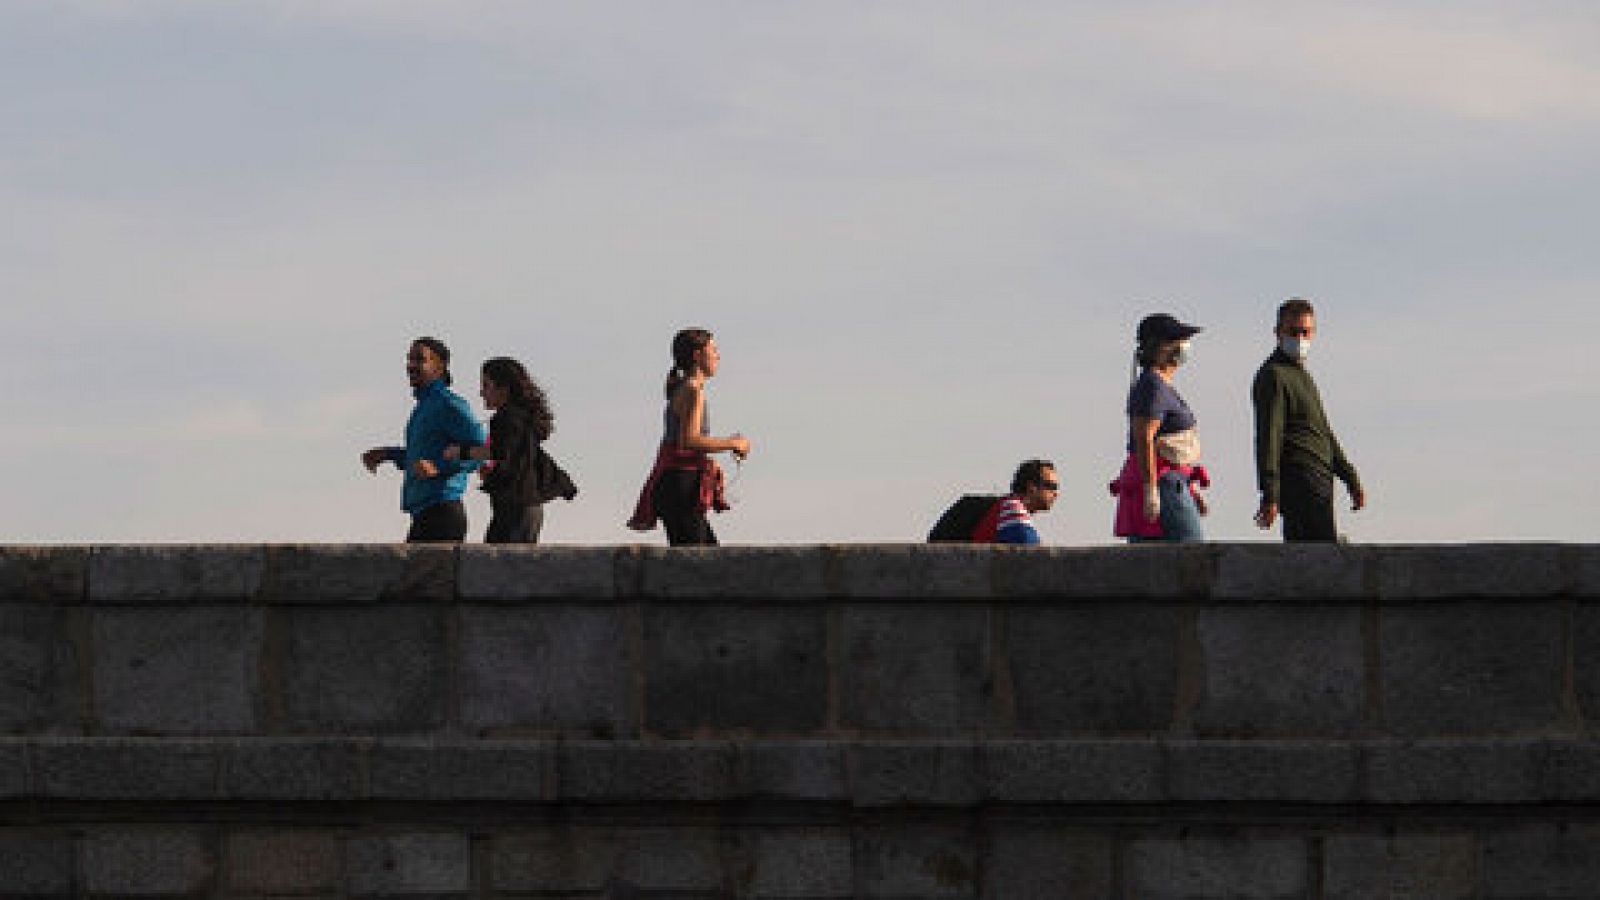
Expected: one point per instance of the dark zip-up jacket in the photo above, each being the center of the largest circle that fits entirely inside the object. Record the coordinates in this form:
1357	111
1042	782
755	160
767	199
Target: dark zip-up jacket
1292	431
523	474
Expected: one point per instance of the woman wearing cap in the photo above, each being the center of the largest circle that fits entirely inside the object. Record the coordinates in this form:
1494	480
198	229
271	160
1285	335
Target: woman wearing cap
1158	497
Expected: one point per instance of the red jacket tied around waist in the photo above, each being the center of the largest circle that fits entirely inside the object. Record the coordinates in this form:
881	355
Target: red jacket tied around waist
712	496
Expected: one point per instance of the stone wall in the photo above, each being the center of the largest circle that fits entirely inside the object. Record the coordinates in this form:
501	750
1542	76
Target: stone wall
834	721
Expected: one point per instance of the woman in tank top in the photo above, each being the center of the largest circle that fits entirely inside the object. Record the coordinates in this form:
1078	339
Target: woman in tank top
686	482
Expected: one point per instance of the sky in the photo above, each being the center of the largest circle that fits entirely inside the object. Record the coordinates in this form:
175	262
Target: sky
923	233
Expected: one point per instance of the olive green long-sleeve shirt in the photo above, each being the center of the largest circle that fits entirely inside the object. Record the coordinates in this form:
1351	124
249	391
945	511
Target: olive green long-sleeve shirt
1292	431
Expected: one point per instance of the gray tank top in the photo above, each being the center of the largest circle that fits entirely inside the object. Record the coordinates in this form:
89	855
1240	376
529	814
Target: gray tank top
670	426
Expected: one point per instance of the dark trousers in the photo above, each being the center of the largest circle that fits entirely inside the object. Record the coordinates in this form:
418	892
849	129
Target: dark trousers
513	523
1305	500
441	523
676	498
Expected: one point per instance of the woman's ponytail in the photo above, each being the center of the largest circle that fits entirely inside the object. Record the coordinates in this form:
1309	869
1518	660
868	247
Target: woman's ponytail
685	344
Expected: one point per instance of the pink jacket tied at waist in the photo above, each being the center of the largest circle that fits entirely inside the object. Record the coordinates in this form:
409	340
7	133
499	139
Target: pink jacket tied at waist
1129	491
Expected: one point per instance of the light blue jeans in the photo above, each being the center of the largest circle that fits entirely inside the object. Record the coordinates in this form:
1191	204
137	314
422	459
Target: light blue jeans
1180	517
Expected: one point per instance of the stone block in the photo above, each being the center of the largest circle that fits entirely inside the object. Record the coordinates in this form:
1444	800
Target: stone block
1043	861
292	769
1586	660
944	773
914	571
126	768
1571	772
1471	668
1310	571
1073	772
715	668
1434	865
1146	571
1262	771
499	572
732	572
624	772
1271	671
1470	570
35	863
175	573
38	672
57	575
794	862
364	669
684	858
462	770
916	860
294	862
175	670
552	858
562	669
1094	668
916	669
143	862
795	770
15	774
408	863
1541	860
1454	772
359	573
1243	866
1585	564
622	862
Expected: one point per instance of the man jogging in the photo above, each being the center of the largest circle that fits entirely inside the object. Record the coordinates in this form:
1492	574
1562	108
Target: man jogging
433	485
1297	456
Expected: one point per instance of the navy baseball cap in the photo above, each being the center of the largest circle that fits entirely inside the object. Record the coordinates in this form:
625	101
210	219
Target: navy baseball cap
1162	327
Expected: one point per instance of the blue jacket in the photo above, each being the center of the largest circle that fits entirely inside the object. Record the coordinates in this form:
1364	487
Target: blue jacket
440	417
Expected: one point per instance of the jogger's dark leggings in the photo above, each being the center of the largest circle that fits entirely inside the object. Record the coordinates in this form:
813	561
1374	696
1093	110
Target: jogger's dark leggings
676	497
444	523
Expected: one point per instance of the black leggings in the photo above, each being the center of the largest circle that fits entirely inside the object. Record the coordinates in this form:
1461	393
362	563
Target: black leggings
514	523
444	523
676	498
1305	500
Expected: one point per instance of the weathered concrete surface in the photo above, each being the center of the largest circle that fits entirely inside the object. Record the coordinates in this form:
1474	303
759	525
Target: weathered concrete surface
800	722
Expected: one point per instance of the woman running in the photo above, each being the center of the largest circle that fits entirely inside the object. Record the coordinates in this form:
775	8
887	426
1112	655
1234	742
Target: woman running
520	477
686	482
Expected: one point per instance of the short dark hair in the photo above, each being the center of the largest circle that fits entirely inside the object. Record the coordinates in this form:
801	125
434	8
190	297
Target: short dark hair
1029	474
439	350
1295	306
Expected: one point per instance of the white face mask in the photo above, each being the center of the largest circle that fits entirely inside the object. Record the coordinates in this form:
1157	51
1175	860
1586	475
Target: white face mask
1295	348
1183	356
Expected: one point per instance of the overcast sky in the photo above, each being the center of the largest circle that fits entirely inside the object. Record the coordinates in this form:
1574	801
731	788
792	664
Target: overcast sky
923	233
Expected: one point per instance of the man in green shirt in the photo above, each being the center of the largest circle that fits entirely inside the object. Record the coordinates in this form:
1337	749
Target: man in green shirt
1297	456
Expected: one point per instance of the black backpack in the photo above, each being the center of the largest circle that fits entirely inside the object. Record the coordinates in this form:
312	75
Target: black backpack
962	518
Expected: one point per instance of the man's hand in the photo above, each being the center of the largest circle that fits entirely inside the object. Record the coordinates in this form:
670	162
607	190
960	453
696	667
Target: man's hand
1267	514
1200	503
374	458
424	468
1358	500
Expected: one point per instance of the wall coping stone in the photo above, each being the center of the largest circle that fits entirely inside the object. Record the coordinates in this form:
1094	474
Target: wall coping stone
847	773
378	573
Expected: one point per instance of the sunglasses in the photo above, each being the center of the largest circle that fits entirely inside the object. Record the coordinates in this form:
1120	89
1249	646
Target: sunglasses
1050	485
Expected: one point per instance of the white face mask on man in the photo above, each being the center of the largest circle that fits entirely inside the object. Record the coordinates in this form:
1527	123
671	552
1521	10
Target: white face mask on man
1181	355
1295	348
